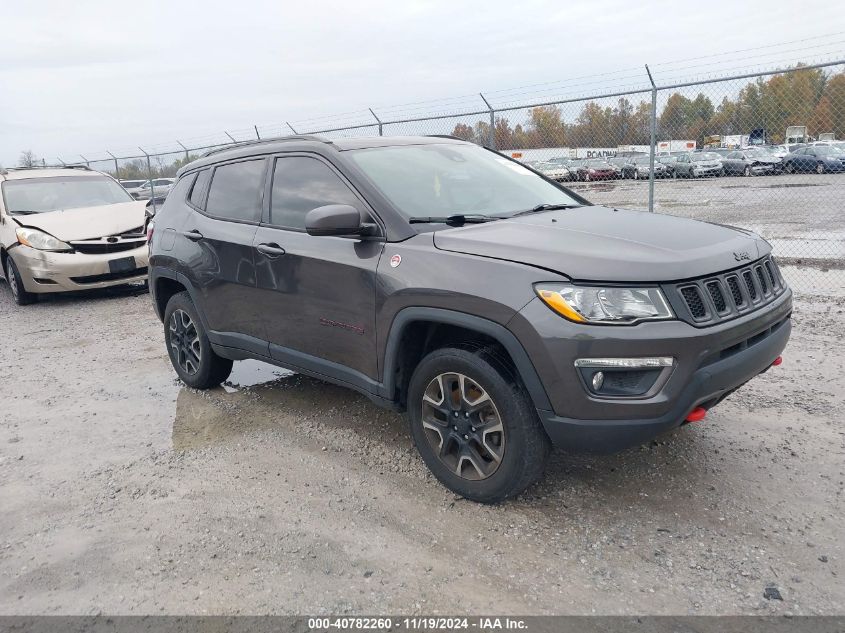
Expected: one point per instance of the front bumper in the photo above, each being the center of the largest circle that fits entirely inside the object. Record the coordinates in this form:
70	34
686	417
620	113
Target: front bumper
706	171
709	363
44	272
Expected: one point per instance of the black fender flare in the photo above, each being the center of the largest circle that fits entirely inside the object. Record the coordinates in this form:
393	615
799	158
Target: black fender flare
166	273
498	332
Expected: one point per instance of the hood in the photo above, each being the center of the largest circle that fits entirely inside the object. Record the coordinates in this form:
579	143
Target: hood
87	223
603	244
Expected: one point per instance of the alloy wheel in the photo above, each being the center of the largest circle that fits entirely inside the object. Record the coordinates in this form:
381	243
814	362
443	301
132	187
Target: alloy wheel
185	341
463	426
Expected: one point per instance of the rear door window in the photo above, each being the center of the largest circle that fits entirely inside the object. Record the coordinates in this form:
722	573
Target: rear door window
235	192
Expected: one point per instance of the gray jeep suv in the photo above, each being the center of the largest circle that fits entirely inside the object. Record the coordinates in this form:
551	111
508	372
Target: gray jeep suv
502	311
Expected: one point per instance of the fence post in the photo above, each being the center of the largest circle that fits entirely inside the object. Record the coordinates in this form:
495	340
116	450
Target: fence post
116	168
378	120
291	128
230	136
64	164
187	156
87	162
150	174
257	135
491	135
653	145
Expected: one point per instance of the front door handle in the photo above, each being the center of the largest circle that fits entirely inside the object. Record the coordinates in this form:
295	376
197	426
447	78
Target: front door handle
194	236
271	250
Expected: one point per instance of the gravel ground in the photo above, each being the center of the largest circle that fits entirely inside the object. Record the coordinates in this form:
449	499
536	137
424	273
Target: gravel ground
124	492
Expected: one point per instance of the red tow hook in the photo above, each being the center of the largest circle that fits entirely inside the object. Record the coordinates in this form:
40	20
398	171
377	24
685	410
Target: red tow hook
777	361
697	414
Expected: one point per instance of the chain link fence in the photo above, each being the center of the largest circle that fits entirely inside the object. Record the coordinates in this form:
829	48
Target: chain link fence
761	151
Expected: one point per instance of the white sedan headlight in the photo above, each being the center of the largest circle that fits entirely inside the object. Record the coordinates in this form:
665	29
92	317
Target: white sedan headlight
605	305
40	240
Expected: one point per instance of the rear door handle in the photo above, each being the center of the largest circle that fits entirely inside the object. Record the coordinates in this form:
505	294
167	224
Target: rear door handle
194	236
271	250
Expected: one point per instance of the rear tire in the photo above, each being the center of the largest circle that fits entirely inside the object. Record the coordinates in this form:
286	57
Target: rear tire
473	389
747	171
189	348
20	294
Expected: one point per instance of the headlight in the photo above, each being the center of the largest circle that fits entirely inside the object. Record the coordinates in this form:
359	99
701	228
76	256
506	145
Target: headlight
614	306
40	240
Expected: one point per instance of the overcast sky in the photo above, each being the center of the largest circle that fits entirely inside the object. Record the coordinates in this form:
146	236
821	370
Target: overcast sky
85	77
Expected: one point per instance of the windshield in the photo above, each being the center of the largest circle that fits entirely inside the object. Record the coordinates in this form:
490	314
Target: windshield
42	195
449	179
705	156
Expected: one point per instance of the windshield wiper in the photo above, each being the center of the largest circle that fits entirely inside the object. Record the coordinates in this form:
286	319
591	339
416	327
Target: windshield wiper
458	219
546	207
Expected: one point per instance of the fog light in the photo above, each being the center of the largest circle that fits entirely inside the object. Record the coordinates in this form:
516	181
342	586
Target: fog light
598	380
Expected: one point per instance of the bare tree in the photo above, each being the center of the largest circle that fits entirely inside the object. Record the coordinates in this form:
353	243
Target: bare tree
28	159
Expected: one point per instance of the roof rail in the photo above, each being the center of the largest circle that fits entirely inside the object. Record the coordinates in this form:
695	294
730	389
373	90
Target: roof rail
6	170
297	137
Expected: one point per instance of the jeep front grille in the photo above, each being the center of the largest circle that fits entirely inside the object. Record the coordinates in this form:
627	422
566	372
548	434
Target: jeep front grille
716	298
693	299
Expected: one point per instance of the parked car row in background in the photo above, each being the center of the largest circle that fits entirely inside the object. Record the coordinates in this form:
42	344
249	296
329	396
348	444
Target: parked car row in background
819	157
143	189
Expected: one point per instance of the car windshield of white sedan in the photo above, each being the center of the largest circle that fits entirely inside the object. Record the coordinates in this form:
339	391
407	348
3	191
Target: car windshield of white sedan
42	195
447	179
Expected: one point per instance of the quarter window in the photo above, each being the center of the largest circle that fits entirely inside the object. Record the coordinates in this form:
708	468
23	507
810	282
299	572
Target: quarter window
200	185
235	191
301	184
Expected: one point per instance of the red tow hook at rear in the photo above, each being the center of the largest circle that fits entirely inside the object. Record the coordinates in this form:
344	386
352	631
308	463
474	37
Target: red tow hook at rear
777	361
697	414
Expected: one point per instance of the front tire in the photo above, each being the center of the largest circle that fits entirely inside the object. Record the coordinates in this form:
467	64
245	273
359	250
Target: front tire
189	348
474	425
747	171
20	294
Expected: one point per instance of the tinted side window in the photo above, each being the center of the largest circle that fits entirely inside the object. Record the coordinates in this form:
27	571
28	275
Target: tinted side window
235	191
200	185
301	184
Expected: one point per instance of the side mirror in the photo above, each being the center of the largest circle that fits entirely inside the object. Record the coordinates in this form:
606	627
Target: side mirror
336	219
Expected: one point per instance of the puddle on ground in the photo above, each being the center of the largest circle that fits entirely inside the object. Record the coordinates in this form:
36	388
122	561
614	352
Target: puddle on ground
199	423
249	373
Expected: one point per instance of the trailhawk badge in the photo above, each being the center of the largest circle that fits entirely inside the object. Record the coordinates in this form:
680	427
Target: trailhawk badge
395	261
